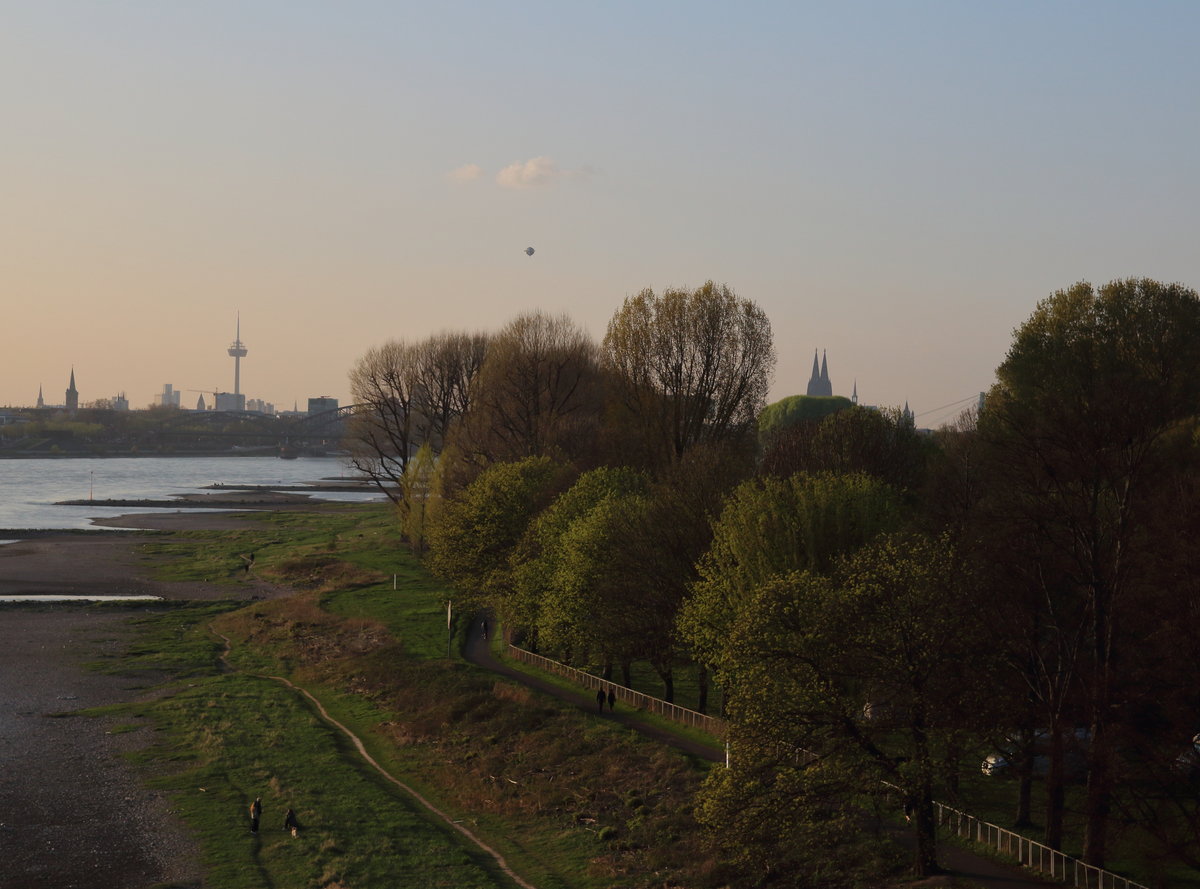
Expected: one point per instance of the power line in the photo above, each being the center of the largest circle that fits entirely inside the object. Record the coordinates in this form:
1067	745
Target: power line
934	410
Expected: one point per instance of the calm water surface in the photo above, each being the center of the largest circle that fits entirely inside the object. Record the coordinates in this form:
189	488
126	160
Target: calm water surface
30	488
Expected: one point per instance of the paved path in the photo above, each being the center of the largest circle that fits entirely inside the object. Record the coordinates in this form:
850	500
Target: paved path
478	651
979	870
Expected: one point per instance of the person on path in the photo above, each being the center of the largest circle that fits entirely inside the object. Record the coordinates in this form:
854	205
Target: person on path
600	701
612	700
255	813
485	629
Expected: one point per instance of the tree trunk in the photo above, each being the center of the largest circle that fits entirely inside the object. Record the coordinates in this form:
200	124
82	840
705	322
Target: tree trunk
1099	758
668	679
627	674
1099	798
702	682
1025	754
925	826
1055	790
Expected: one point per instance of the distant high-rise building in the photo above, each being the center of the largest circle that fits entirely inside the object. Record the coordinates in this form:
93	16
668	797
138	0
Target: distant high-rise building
231	401
321	404
169	397
120	402
820	384
72	402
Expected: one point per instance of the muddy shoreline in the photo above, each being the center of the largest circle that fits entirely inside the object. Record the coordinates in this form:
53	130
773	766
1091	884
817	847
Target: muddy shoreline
73	814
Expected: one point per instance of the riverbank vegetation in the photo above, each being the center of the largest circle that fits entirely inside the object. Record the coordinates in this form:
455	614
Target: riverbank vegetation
899	603
567	800
880	608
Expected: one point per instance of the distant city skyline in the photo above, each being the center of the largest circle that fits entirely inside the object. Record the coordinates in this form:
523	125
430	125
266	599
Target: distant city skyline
895	184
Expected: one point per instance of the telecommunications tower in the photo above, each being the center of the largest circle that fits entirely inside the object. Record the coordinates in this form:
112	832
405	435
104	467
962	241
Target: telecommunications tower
237	351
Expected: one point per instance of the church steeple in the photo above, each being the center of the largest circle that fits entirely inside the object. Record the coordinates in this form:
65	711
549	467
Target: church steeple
854	395
41	402
72	393
819	384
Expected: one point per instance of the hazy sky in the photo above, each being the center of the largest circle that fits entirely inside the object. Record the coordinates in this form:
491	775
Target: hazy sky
898	183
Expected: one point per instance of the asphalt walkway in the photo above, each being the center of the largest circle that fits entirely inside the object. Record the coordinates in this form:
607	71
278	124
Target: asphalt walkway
957	862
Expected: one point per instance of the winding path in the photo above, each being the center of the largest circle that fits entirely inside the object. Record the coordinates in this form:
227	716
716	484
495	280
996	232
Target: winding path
960	862
362	751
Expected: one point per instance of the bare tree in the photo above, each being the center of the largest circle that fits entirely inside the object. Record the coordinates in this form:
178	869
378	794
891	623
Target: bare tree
691	365
536	394
382	433
408	395
446	366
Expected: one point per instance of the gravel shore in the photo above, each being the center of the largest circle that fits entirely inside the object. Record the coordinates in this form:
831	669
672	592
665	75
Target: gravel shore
73	814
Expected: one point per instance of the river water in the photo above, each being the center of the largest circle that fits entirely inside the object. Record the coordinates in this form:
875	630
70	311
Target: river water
29	489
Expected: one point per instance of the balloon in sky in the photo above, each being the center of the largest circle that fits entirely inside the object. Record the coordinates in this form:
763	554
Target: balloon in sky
529	251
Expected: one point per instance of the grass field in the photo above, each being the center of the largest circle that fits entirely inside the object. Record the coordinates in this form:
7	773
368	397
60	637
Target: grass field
569	801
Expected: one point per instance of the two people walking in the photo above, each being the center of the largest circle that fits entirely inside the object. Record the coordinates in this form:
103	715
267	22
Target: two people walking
290	822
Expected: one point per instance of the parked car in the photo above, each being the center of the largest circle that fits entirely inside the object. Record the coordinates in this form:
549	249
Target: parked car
1004	760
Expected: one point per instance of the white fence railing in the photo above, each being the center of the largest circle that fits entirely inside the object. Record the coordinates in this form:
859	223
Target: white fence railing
1029	853
711	724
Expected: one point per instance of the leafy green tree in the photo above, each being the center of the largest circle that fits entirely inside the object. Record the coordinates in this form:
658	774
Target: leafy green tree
781	819
883	443
874	672
418	491
473	535
690	366
562	565
1094	390
771	526
787	412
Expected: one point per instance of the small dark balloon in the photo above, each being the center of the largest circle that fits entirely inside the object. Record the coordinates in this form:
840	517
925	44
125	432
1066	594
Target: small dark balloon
529	251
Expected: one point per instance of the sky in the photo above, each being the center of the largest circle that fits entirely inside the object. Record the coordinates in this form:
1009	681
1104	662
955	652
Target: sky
894	184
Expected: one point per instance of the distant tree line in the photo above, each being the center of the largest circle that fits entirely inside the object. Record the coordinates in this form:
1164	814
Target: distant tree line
880	608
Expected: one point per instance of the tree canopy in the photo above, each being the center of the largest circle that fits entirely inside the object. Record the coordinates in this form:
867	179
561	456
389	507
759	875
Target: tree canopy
690	365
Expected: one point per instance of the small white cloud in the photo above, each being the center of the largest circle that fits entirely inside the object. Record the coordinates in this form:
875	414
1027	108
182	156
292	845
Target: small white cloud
529	174
465	173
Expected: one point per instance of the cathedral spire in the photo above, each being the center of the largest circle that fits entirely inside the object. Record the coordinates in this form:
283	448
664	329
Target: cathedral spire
854	395
819	384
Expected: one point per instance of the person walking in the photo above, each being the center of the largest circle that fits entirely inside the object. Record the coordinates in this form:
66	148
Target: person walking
600	701
290	823
612	700
255	813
